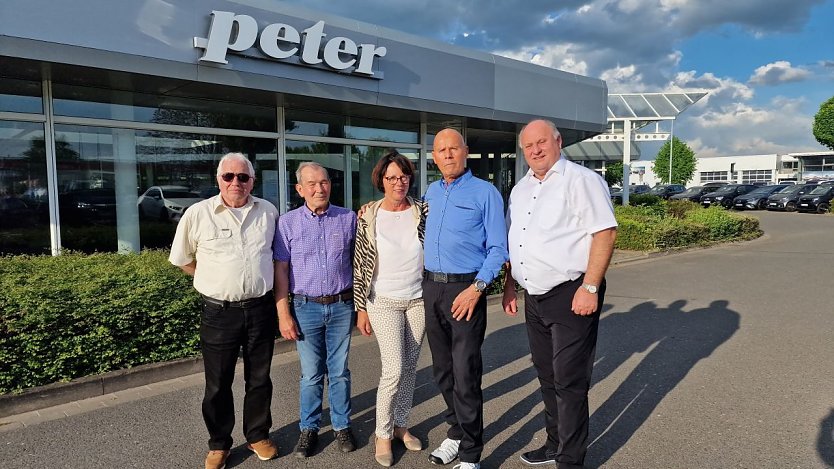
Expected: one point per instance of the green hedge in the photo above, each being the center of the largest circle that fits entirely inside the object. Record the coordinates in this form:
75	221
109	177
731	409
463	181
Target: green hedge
74	315
678	224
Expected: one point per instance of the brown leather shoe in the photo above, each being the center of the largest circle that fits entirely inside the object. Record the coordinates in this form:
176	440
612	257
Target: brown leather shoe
264	449
216	459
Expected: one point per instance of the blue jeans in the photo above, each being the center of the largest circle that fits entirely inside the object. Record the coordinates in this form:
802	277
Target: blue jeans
323	349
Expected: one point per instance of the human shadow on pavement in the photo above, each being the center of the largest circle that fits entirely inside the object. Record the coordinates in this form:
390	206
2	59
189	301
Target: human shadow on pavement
825	440
674	341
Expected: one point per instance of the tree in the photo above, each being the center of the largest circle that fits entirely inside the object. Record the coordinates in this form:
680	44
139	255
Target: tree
614	173
683	162
824	124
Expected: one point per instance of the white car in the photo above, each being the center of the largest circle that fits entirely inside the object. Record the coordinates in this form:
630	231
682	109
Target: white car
166	202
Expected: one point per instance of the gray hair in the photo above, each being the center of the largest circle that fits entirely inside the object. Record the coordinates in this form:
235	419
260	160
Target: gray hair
309	164
549	123
238	157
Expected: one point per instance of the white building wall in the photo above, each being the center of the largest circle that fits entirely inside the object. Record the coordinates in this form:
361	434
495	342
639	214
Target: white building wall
744	169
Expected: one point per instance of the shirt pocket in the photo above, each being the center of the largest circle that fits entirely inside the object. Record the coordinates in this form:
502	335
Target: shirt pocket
217	240
467	213
553	213
338	247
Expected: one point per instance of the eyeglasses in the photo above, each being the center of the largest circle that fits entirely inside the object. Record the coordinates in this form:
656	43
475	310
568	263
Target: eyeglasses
229	177
393	179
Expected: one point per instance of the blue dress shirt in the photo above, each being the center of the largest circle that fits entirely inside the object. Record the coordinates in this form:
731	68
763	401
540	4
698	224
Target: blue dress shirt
465	229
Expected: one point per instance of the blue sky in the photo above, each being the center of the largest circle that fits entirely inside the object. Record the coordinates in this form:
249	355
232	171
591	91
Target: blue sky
767	65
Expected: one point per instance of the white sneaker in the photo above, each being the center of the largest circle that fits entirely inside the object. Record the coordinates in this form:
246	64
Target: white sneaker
446	453
467	465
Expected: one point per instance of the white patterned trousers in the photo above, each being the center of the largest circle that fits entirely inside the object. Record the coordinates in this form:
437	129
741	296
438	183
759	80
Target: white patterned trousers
399	326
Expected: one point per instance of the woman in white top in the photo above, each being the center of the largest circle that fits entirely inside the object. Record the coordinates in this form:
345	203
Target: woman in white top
387	276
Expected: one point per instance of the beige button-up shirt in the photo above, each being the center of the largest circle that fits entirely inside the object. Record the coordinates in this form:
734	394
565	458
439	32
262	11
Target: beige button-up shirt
234	258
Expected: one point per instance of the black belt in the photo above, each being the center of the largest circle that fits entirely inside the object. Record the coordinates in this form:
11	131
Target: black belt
345	295
248	303
440	277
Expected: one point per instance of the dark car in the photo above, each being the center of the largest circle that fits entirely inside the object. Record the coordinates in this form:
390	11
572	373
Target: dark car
694	193
756	199
666	190
617	197
725	195
787	198
89	206
15	213
715	184
818	200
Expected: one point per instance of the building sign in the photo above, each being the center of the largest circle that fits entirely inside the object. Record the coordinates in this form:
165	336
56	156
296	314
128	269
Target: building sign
238	33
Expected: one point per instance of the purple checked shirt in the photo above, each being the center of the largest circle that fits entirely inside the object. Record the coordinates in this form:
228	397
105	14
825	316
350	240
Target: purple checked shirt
319	249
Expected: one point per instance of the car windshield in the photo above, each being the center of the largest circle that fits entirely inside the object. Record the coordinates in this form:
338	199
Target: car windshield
789	190
761	191
725	190
181	195
658	190
692	191
819	190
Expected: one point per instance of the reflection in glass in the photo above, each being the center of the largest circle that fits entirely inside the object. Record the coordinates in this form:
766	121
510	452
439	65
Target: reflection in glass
383	130
363	160
123	189
80	101
24	199
20	96
329	155
316	124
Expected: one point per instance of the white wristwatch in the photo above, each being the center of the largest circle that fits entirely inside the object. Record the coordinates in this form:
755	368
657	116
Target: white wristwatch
590	288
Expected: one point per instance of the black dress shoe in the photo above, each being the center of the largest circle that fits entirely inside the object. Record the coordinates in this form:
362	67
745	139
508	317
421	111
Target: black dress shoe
539	457
345	440
307	442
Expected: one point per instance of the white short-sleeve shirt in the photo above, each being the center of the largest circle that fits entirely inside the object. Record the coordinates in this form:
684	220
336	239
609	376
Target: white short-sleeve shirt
234	256
551	222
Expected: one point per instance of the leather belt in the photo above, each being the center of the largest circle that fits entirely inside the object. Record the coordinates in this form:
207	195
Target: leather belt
345	295
247	303
441	277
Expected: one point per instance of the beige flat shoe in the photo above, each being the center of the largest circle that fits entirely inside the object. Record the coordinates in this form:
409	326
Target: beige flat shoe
385	457
411	442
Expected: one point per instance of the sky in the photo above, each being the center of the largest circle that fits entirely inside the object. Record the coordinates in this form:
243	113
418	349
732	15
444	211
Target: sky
766	65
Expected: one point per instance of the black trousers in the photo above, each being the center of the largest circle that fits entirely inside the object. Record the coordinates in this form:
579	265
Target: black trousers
456	361
562	345
224	332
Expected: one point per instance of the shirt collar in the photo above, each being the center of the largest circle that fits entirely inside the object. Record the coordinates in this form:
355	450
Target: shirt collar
558	168
217	202
467	175
311	214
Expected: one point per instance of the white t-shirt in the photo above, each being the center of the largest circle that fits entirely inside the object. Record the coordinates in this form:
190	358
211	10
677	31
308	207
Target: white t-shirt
399	271
551	223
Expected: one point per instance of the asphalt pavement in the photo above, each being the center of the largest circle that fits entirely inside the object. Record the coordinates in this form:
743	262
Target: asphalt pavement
711	358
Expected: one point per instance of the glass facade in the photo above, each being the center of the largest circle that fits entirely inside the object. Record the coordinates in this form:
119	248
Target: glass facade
99	169
750	176
714	176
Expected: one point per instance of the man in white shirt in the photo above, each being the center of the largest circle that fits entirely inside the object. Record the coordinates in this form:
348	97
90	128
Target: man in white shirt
561	237
225	243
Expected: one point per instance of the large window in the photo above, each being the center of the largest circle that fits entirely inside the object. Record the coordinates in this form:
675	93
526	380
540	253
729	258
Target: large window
712	176
24	199
20	96
122	189
756	175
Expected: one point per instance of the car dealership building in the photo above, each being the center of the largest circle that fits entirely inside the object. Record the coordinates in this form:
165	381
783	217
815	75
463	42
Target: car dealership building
102	100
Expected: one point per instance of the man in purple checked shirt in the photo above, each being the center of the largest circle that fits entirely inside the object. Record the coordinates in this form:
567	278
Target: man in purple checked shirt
313	252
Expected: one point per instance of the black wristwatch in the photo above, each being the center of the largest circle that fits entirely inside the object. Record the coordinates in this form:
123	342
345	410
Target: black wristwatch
480	285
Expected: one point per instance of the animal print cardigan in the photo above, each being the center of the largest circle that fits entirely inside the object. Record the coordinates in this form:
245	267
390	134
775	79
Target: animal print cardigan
364	257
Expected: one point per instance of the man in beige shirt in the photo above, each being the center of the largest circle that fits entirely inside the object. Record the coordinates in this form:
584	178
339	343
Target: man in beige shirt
225	243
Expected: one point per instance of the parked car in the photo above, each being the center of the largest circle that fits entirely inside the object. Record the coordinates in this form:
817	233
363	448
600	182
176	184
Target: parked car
787	198
725	195
693	193
617	197
756	199
818	200
666	190
88	206
715	184
166	202
15	213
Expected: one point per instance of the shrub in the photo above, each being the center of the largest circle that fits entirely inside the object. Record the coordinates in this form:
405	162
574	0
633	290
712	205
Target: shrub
723	225
645	199
679	208
73	315
634	235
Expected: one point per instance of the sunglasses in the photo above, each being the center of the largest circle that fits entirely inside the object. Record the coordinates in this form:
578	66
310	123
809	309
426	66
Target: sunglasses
229	177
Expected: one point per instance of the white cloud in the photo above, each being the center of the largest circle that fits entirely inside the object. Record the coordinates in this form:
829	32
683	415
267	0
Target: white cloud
778	72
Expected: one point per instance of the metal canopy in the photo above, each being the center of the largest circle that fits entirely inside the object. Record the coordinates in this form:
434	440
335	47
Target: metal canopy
649	106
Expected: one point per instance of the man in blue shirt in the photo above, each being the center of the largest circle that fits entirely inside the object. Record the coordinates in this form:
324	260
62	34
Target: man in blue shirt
465	247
